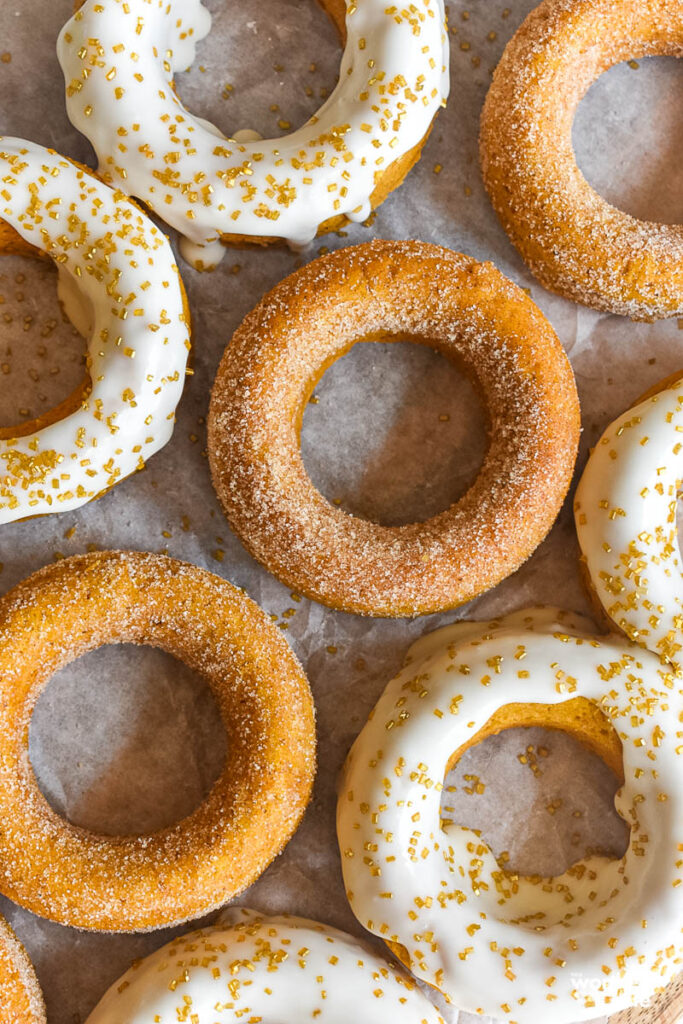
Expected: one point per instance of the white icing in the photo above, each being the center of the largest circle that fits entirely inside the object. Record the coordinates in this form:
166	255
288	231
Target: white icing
119	59
276	970
119	284
601	936
625	511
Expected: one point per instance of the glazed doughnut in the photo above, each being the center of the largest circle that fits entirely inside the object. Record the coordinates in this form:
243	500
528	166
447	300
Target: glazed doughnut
141	882
119	61
625	512
603	935
573	241
21	1001
120	284
276	970
383	291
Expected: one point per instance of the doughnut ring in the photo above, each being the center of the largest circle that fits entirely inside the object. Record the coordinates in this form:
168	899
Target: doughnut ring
603	935
625	512
138	883
575	242
120	285
21	1001
277	970
119	60
382	291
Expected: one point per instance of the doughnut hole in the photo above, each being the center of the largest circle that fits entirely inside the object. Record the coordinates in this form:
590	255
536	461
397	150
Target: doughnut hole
627	155
145	749
231	85
394	433
538	783
42	355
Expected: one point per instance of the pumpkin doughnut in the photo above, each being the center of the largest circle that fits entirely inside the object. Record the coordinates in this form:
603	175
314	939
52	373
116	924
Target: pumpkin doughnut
605	934
21	1001
572	239
625	512
137	883
384	291
119	61
119	284
275	970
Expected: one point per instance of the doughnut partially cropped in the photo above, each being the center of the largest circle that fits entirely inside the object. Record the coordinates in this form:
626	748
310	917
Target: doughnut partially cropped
141	882
625	513
120	285
21	1001
119	60
387	291
576	243
274	970
605	934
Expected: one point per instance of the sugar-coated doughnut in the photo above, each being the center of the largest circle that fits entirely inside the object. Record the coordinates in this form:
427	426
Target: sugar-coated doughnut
625	512
383	291
275	970
119	283
21	1001
603	935
119	60
575	242
137	883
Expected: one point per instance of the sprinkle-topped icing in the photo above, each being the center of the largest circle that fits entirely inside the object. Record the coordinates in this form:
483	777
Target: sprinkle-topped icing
118	278
119	59
275	970
601	936
625	511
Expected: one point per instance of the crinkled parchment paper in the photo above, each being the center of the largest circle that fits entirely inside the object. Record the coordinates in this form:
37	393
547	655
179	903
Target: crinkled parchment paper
127	739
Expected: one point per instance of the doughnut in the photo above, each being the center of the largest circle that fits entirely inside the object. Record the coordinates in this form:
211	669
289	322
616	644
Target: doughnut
142	882
575	242
625	513
21	1001
384	291
275	970
119	61
120	285
606	933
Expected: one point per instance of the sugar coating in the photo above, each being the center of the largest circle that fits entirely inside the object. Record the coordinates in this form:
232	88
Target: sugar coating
384	291
603	935
120	282
625	512
141	882
275	970
575	242
119	59
21	1001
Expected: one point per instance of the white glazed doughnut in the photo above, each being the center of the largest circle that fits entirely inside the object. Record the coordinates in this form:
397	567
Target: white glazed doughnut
603	935
276	970
119	280
119	60
625	511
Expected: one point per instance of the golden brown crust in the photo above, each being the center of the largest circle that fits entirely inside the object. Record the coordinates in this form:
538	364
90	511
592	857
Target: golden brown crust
573	240
380	291
137	883
21	1001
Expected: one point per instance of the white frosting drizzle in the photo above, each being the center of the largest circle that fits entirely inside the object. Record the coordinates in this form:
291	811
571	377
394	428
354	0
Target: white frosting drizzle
118	279
625	511
119	59
275	970
604	934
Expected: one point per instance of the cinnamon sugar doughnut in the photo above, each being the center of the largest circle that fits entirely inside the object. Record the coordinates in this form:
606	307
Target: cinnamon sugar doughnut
21	1001
119	61
384	291
575	242
137	883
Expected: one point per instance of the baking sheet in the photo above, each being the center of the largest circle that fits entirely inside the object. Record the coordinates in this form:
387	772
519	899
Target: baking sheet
90	738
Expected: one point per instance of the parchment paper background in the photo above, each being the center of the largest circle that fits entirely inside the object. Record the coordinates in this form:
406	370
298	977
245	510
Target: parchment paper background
129	740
